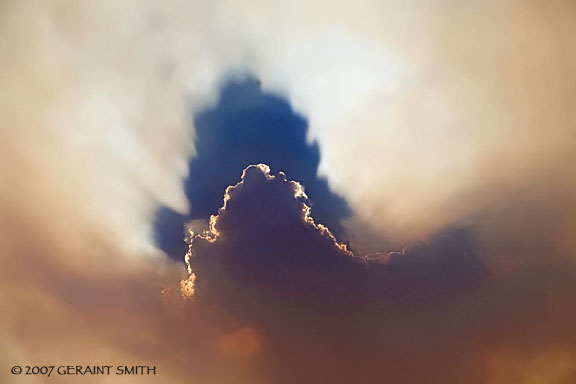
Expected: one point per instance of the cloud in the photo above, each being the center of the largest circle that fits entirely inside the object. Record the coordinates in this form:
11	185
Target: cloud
264	239
427	114
327	313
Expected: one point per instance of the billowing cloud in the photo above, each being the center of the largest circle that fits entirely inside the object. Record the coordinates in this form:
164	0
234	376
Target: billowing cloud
265	240
428	115
328	314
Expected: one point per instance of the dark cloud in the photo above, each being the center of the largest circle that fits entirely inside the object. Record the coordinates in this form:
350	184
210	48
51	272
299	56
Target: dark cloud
268	242
330	315
248	126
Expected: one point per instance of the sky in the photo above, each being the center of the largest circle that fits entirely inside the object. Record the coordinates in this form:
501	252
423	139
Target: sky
271	192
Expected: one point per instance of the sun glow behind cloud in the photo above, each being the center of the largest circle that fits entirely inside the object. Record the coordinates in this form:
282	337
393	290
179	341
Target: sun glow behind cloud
427	115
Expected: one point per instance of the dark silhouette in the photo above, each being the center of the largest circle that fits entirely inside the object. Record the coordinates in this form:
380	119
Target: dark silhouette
331	316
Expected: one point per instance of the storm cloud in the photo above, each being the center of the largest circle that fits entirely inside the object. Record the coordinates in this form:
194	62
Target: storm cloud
446	126
328	314
265	239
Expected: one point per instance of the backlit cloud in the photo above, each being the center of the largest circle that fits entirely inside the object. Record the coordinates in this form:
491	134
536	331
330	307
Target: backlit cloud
445	126
326	313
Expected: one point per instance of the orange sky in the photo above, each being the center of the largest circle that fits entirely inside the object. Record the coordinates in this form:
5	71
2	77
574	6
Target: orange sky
429	115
